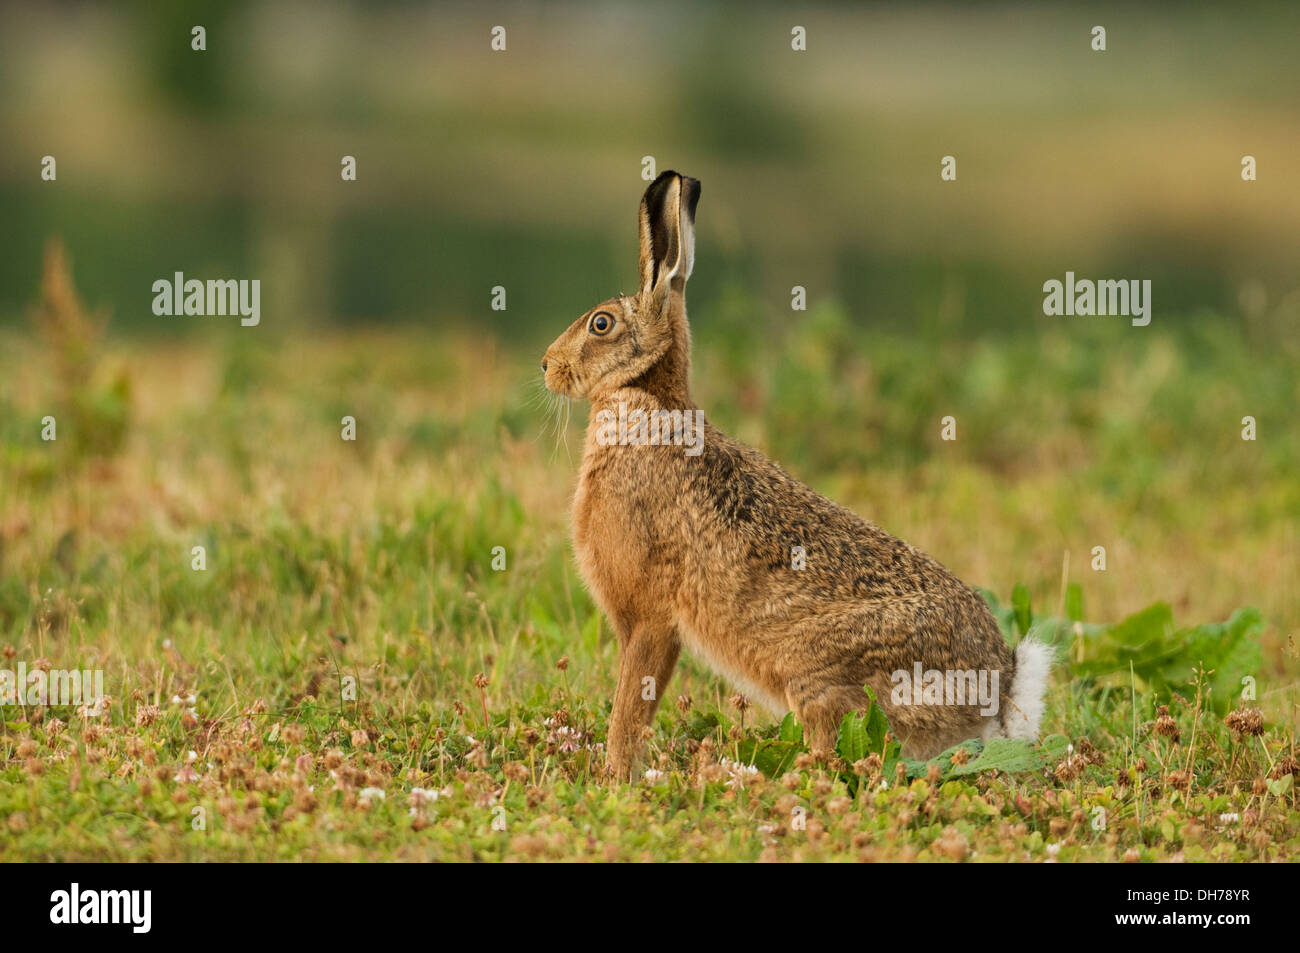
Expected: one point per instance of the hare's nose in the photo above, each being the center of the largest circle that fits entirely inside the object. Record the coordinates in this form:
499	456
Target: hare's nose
543	365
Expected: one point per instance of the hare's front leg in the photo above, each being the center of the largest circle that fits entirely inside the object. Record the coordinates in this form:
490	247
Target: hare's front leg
646	660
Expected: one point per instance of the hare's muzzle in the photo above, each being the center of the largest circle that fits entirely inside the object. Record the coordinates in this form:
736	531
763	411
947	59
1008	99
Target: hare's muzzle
552	371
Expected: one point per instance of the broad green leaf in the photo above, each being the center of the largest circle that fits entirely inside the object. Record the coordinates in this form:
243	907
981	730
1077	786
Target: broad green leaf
852	744
919	769
790	730
1166	660
863	733
1147	627
1281	787
1013	756
773	757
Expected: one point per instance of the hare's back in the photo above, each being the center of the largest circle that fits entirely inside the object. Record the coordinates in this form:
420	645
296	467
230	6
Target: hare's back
791	537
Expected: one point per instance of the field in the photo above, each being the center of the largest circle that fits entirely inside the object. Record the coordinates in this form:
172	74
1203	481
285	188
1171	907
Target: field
341	672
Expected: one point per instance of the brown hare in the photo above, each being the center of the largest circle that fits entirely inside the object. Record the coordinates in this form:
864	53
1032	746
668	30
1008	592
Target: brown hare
686	537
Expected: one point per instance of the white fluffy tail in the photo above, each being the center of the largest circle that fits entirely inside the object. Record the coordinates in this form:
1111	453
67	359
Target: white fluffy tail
1033	666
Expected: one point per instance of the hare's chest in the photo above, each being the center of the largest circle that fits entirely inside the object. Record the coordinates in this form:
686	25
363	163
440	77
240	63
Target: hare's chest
609	521
621	546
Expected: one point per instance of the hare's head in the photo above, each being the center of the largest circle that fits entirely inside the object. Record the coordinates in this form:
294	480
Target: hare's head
623	339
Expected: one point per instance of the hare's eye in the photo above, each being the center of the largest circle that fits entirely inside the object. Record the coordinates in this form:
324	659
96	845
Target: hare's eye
601	323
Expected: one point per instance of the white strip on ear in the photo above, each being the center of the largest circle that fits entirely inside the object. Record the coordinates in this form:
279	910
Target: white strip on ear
686	239
690	195
667	226
671	223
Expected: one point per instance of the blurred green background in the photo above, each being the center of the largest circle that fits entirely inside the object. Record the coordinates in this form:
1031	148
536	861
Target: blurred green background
522	168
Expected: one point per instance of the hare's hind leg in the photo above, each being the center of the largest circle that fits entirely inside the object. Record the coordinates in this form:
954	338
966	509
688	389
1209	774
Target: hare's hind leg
820	711
923	732
646	659
927	730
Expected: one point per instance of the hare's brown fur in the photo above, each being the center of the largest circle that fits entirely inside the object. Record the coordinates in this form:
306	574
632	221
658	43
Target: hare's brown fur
696	551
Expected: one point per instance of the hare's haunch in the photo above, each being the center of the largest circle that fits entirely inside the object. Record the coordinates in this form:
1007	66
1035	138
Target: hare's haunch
686	537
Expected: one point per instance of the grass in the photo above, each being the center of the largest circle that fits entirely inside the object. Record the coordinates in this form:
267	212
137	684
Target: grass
350	679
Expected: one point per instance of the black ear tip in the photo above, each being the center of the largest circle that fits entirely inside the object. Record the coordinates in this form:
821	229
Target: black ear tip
692	195
656	189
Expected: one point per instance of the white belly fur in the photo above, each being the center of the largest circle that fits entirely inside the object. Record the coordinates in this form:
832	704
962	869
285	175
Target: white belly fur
700	649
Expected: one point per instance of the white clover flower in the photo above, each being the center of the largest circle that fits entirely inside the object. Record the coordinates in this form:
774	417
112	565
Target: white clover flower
368	795
421	800
570	738
98	709
740	773
653	776
187	774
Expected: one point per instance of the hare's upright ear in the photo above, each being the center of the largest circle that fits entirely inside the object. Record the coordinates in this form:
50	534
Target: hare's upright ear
668	234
